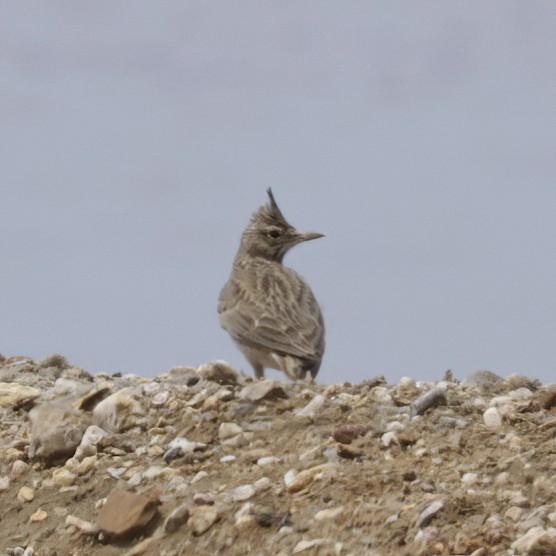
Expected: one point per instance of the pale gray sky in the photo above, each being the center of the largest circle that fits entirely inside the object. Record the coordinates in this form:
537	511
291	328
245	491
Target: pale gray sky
138	137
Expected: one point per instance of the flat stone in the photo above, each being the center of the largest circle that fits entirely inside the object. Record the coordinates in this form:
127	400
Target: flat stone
39	515
242	493
263	390
176	519
329	513
88	444
312	408
202	519
429	512
228	430
125	513
13	394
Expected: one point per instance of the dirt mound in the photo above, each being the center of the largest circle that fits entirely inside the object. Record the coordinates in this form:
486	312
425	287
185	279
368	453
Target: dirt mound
207	461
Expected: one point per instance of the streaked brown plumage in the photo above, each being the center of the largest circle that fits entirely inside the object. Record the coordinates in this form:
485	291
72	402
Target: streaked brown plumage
267	308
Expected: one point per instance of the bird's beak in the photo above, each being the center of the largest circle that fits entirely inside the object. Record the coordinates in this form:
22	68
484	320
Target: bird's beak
309	236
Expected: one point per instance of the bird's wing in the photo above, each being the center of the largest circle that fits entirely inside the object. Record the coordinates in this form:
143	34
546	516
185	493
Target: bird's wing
279	314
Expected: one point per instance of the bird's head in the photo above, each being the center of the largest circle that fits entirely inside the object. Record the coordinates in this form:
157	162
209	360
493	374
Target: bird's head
269	235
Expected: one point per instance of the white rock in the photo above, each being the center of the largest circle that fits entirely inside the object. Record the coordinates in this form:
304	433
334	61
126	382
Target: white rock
88	444
227	459
242	493
534	538
380	394
290	476
492	418
312	408
389	438
120	411
469	479
329	513
4	483
160	398
301	546
13	393
228	430
268	460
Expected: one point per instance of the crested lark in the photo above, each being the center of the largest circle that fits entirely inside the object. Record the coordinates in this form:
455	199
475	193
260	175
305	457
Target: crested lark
267	308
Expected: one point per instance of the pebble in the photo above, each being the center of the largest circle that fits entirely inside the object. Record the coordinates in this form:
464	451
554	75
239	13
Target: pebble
312	408
242	493
268	460
39	515
429	512
203	499
176	519
263	390
303	545
19	468
228	459
492	418
4	483
329	513
228	430
202	518
26	494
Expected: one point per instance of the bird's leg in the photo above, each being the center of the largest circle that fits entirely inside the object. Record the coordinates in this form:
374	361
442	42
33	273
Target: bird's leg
259	371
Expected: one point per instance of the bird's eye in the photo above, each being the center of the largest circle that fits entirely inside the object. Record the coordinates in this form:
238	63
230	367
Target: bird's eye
274	233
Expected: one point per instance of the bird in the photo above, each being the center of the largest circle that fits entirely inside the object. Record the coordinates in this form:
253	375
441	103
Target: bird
267	308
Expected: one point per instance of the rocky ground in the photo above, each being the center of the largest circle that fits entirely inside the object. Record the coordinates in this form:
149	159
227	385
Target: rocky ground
207	461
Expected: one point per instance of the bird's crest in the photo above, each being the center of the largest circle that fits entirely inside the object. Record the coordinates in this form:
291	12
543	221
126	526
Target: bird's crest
269	214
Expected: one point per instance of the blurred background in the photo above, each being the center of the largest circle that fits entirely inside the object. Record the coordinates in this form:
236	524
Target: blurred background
137	138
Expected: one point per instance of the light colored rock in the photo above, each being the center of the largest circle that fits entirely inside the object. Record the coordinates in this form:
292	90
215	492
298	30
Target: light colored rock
228	459
120	411
56	431
19	468
242	493
469	479
88	444
329	513
62	477
312	408
26	494
13	394
380	394
85	527
4	483
202	518
514	513
218	371
429	512
180	446
305	477
228	430
160	398
39	515
537	540
263	390
303	545
88	464
203	499
268	460
492	418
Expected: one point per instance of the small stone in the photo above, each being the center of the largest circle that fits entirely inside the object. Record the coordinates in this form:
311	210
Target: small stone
180	446
537	540
492	418
25	494
62	477
469	479
432	398
39	515
242	493
380	394
126	513
4	483
202	519
160	398
329	513
268	460
218	371
19	468
203	499
227	459
290	476
514	513
85	527
88	444
428	513
263	390
389	439
120	411
176	519
347	433
13	394
301	546
228	430
88	464
312	408
199	476
305	477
